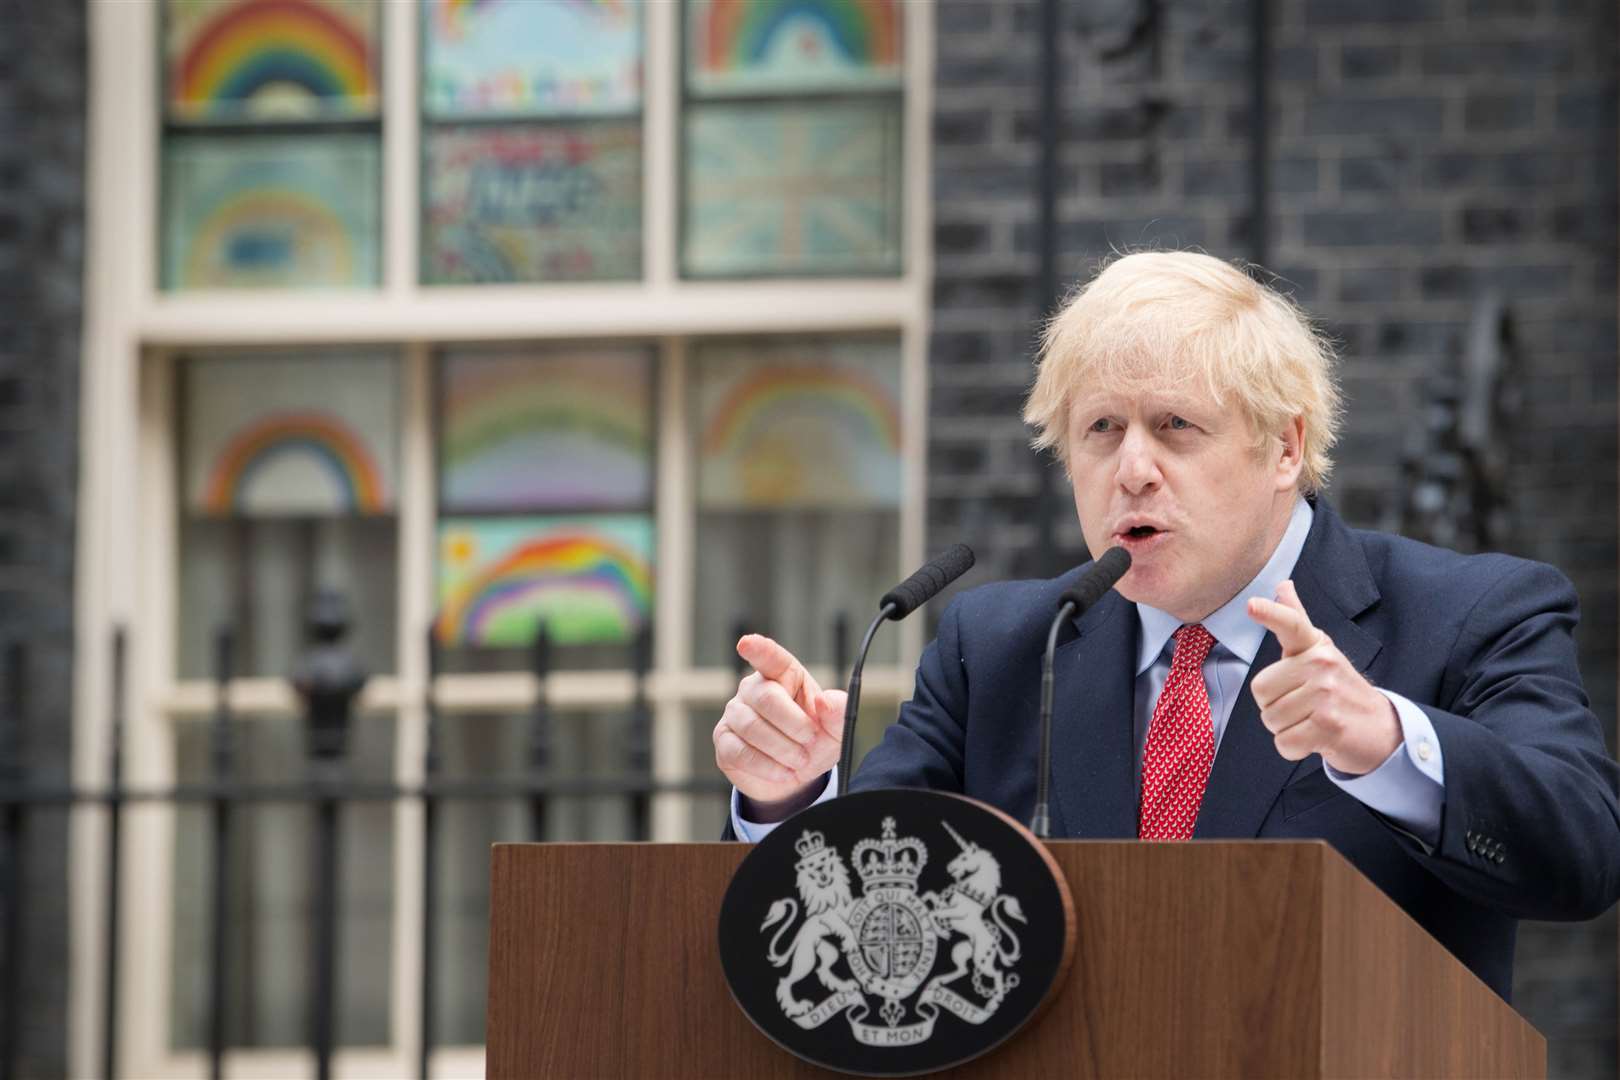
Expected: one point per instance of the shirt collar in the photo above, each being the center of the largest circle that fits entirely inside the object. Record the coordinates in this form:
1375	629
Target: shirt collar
1230	624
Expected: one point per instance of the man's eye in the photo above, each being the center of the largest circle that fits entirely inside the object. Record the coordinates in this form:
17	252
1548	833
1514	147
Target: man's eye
1101	426
1178	424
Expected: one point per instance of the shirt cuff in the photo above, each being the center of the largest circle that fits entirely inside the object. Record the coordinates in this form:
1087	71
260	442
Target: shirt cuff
1409	788
754	831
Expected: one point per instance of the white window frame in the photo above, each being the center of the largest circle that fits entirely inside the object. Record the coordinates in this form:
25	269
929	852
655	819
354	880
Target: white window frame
127	536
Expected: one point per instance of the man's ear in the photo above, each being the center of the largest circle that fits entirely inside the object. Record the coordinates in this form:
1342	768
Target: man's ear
1292	460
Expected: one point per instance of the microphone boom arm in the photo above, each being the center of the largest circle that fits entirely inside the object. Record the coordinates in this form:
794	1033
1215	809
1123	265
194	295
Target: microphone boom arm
852	704
1041	823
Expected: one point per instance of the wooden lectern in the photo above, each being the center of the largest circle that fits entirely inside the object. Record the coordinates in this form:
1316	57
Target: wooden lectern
1242	959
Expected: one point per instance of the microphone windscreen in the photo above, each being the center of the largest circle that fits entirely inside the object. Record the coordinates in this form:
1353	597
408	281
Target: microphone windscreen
926	583
1097	580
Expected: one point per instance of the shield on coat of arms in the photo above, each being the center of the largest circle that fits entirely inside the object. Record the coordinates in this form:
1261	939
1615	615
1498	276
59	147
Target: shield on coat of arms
896	938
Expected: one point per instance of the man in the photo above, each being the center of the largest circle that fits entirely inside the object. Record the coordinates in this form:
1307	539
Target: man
1262	670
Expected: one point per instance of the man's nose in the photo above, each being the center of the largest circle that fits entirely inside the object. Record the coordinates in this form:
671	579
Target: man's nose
1138	464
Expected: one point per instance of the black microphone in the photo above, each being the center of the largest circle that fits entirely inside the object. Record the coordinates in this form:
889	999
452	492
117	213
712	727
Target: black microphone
926	583
1074	602
896	604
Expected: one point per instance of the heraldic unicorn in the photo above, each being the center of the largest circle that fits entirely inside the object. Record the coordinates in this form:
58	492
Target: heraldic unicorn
887	942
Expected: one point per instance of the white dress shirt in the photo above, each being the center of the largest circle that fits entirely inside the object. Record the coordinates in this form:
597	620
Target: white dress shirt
1408	788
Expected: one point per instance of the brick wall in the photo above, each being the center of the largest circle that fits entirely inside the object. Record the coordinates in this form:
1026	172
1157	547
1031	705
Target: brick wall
42	130
1421	150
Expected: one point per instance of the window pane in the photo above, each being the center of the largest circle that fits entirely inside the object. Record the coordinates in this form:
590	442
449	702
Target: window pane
290	478
798	451
798	424
558	202
274	436
271	895
530	59
581	744
792	189
778	46
587	578
553	431
234	60
256	575
252	211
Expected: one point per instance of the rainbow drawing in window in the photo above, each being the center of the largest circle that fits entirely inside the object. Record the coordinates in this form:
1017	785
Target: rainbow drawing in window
790	46
271	212
290	436
798	427
588	578
317	437
546	432
232	60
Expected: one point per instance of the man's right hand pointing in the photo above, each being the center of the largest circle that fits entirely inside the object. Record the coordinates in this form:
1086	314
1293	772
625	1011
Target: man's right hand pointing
780	734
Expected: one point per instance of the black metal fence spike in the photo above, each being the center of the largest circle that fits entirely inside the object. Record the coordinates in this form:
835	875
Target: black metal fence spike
223	744
639	761
739	627
539	736
12	853
115	814
430	856
840	644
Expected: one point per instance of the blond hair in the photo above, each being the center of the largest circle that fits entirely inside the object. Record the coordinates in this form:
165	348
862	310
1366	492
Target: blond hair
1167	317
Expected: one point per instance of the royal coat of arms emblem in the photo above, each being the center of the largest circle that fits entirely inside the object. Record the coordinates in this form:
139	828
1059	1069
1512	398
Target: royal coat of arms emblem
895	931
874	956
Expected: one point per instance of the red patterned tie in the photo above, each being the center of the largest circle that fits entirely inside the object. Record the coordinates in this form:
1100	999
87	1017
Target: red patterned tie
1180	743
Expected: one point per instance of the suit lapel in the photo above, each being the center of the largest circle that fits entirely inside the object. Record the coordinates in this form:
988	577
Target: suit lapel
1093	737
1335	586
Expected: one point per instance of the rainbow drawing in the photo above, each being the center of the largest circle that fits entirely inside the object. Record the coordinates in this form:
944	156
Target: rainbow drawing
271	211
546	432
743	46
356	482
262	233
589	579
784	433
272	58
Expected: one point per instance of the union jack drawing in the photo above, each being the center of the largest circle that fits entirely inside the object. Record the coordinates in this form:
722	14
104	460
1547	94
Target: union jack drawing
793	189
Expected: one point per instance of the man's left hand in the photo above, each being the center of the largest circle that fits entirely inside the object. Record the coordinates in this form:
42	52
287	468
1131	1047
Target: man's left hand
1313	700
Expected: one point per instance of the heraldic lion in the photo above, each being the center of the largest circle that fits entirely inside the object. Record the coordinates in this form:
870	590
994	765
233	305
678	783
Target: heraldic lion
824	890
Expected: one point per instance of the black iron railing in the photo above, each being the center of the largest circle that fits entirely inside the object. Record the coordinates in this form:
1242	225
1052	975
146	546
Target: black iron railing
328	682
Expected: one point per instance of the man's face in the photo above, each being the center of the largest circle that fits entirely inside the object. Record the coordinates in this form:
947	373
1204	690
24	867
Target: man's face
1173	478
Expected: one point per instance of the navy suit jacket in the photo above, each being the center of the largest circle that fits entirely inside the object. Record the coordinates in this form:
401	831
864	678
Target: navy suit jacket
1482	643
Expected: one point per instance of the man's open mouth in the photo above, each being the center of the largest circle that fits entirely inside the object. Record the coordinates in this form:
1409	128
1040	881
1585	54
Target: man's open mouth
1141	532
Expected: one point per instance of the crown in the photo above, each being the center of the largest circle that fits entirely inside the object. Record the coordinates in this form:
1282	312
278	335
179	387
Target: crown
812	848
890	862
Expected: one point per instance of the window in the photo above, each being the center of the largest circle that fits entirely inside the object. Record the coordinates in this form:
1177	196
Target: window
792	138
271	144
545	478
531	142
599	321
